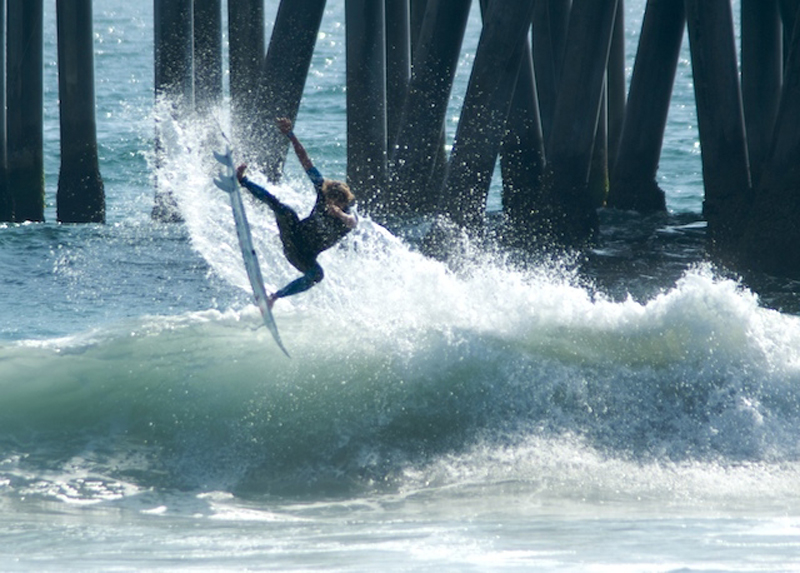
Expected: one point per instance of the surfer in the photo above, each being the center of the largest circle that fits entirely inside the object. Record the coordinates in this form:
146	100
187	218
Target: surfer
304	239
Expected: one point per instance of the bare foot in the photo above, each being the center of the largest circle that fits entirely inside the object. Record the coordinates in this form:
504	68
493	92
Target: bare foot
271	301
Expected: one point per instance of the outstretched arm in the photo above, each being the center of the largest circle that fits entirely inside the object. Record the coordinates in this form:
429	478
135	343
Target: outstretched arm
285	125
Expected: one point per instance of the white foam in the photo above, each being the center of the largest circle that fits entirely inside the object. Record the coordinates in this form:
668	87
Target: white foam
378	283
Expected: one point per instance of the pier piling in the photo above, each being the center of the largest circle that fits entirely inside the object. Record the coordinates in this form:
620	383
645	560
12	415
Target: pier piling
6	204
616	85
174	81
762	75
487	101
207	54
553	109
418	143
771	243
25	113
282	78
720	121
580	94
398	63
81	197
550	24
522	158
633	175
246	54
174	49
366	99
789	10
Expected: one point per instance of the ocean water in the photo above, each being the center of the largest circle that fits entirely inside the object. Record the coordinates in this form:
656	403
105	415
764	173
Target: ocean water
637	411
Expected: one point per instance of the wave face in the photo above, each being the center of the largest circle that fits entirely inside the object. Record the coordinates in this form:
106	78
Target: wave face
383	386
399	364
406	372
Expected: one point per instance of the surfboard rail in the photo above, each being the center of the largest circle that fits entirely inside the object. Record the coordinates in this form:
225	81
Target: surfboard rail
226	181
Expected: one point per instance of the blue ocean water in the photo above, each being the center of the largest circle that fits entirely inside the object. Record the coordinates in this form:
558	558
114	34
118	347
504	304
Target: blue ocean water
478	417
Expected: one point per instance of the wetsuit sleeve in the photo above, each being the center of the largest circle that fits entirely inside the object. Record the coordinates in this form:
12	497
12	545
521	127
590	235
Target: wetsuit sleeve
316	178
257	191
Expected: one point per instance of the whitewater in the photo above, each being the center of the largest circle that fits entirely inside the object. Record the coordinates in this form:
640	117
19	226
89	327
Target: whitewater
470	415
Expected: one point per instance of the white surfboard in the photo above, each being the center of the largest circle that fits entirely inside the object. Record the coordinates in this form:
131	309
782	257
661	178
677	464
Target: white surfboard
227	182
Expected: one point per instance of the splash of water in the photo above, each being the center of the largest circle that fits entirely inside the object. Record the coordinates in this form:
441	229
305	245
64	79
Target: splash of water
406	371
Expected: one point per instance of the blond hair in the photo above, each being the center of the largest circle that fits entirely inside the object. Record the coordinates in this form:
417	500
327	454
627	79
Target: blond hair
338	192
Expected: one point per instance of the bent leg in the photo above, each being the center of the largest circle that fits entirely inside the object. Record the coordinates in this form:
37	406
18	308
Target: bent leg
311	277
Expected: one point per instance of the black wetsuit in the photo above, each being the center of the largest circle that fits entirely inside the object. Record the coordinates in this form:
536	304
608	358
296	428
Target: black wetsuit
303	239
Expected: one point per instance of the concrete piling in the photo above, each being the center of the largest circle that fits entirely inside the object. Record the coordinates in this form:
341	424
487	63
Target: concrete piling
551	107
174	81
418	143
282	78
616	85
398	62
207	54
246	53
720	120
25	109
571	144
550	24
522	158
482	125
366	99
762	76
633	176
6	203
174	48
772	238
81	196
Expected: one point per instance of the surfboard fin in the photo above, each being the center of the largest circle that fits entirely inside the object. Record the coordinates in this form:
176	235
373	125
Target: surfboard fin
225	184
226	179
225	158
